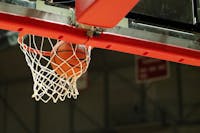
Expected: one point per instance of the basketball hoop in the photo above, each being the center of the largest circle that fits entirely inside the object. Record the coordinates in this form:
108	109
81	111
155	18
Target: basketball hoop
55	65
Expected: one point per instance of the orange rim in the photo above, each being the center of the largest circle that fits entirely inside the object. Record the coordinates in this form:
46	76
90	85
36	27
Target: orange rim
32	50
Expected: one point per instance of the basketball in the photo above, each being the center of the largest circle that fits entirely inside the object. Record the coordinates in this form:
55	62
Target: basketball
68	59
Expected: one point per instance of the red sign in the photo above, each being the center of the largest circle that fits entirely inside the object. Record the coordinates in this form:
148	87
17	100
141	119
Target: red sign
149	69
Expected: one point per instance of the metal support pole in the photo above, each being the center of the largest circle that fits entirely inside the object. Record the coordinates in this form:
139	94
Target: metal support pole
71	116
179	92
5	112
143	97
196	5
37	117
106	101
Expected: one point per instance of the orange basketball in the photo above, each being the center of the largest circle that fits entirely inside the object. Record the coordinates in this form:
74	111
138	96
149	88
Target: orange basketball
67	62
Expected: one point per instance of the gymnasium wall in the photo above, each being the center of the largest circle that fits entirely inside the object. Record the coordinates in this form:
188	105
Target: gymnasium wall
113	99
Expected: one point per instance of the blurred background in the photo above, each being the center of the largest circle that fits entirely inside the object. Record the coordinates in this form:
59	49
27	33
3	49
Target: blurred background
121	93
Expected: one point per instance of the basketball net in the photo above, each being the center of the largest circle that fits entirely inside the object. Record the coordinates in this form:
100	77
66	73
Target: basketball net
48	84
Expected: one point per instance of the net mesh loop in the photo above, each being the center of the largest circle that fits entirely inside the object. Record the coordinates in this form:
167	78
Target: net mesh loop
48	85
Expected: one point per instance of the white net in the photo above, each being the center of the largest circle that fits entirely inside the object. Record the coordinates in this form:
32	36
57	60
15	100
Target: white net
55	65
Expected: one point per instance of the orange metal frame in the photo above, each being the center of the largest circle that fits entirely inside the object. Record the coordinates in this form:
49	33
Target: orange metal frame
103	13
26	25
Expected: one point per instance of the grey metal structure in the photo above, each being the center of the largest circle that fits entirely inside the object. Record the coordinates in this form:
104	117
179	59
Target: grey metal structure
179	10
